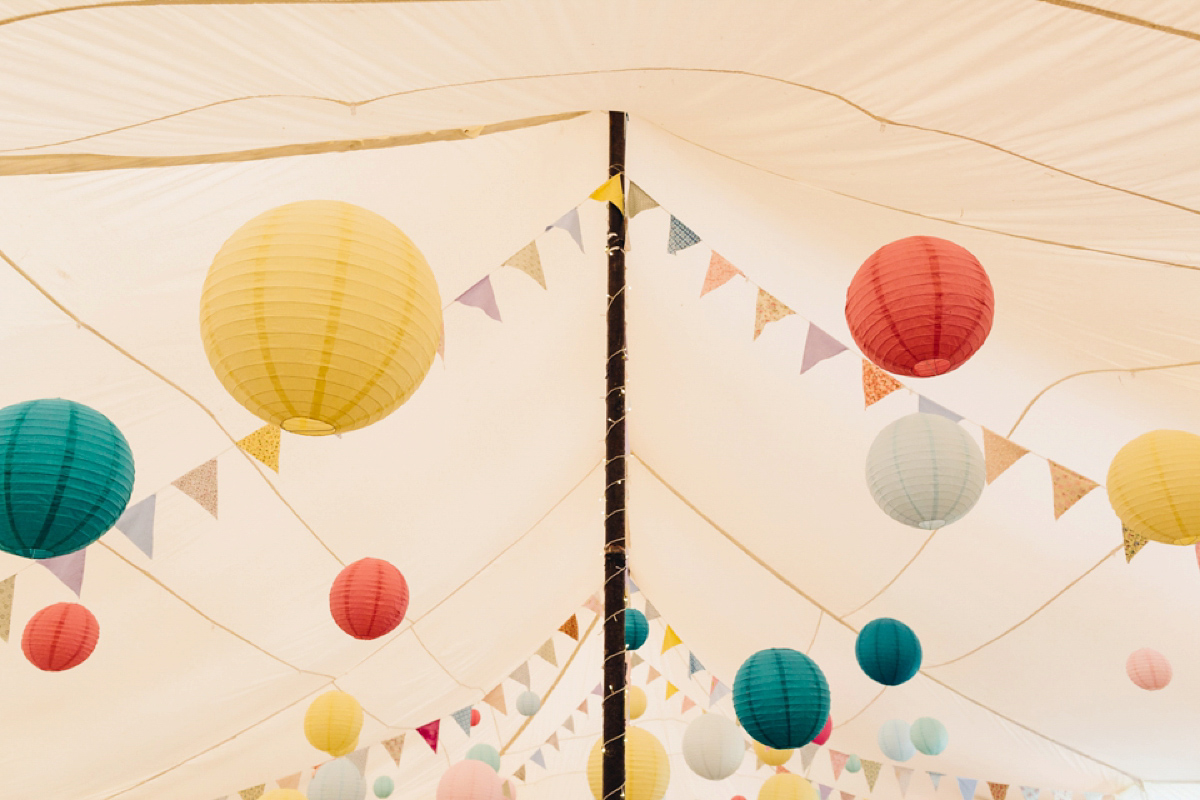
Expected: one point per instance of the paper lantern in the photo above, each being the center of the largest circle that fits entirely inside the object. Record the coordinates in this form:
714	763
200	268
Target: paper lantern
781	698
787	786
770	756
853	764
637	628
635	701
888	651
713	747
384	786
332	723
320	317
528	703
284	794
920	306
475	717
738	797
1154	486
895	740
469	780
337	780
485	753
647	770
1148	669
67	477
823	736
929	736
60	636
925	471
368	598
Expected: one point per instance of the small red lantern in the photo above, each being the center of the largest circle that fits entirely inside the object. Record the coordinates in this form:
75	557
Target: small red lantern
920	306
60	637
475	717
368	599
823	736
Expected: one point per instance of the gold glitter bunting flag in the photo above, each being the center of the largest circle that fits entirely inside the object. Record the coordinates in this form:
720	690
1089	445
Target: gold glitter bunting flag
201	485
263	444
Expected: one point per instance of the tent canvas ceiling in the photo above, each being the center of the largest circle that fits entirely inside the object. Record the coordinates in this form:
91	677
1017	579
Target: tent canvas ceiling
1053	139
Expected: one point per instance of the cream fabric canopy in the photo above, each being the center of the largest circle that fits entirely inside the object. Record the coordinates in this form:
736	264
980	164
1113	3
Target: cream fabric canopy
1053	139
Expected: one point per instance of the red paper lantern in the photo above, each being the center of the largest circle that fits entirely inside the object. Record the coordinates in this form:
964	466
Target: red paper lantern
475	717
920	306
368	599
823	736
60	637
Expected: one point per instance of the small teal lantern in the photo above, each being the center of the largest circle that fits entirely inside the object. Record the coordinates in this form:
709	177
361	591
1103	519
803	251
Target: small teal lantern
888	651
853	764
781	698
637	628
485	753
384	786
66	474
528	703
929	736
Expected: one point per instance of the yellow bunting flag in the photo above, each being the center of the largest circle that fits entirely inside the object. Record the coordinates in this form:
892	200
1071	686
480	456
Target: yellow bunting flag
263	444
1069	488
670	639
877	384
871	772
611	191
7	589
254	792
570	628
528	261
999	790
201	485
768	309
999	454
671	689
1134	542
495	699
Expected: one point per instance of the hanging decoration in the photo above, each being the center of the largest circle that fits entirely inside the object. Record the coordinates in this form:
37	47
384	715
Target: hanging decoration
853	764
1069	488
333	722
823	736
469	780
1148	669
877	384
670	639
429	732
263	445
368	598
394	747
137	523
871	772
1000	454
320	317
68	569
781	698
818	346
636	629
768	309
1133	543
720	271
463	718
635	701
647	770
769	755
680	236
929	736
1154	486
68	475
528	703
787	786
888	651
60	637
201	485
476	717
895	740
337	780
383	788
485	753
639	201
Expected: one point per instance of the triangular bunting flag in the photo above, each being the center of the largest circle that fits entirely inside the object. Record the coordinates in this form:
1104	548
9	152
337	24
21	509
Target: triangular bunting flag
528	261
781	770
1092	795
714	684
927	406
570	628
546	651
999	454
521	674
639	201
1000	791
137	523
1061	794
871	772
1134	542
818	346
68	568
717	693
520	773
495	699
570	724
694	665
599	690
394	747
481	296
825	791
290	782
583	706
263	444
1030	792
688	704
463	718
768	309
935	778
670	639
807	754
846	796
680	236
538	758
569	222
652	674
593	604
359	759
903	776
201	485
877	384
719	273
630	586
253	793
651	612
636	660
671	689
966	787
838	761
611	191
553	740
1069	487
429	732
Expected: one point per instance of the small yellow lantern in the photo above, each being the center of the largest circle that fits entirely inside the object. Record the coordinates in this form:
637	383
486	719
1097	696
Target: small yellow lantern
332	723
787	786
320	317
283	794
770	756
1154	486
635	701
647	770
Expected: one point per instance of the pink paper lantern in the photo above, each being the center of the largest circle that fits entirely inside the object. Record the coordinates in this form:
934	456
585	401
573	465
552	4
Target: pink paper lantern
823	736
1148	669
470	780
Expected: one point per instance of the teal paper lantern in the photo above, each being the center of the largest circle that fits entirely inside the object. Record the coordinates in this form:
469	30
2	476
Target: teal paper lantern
895	740
66	474
929	736
781	698
637	628
384	786
888	651
485	753
853	764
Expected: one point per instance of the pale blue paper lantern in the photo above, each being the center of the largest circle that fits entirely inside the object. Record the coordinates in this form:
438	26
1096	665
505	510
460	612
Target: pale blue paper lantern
929	736
337	780
895	741
528	703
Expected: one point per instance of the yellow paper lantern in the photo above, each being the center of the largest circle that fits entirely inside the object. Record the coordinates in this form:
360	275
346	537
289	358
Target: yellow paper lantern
332	723
787	786
320	317
283	794
1154	486
635	701
647	771
770	756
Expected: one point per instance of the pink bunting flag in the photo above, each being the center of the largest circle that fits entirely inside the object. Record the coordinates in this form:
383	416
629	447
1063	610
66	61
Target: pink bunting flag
1069	487
838	761
688	703
553	740
720	271
290	782
593	605
599	690
582	706
817	347
846	795
653	675
481	296
999	454
429	732
877	384
68	569
570	724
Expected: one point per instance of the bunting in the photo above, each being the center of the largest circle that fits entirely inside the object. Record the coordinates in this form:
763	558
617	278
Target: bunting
1000	790
546	651
720	271
670	639
671	689
359	759
570	724
1069	487
825	791
768	309
253	793
846	795
429	732
927	406
877	384
463	718
1134	542
137	523
1059	794
593	605
966	787
651	612
639	201
569	222
717	693
201	485
538	758
635	660
481	296
694	665
599	690
570	628
870	772
263	445
290	782
935	778
583	706
394	747
553	740
611	191
521	674
688	704
1030	792
838	761
999	454
680	236
818	346
68	568
807	754
528	261
903	776
782	770
520	773
630	586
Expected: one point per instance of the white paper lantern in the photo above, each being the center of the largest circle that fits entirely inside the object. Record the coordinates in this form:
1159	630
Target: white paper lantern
895	740
925	471
713	747
528	703
337	780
